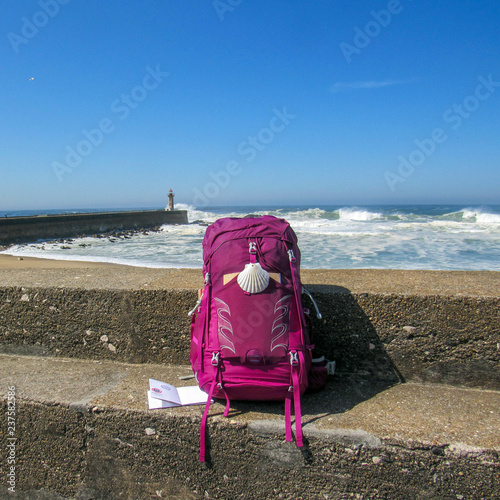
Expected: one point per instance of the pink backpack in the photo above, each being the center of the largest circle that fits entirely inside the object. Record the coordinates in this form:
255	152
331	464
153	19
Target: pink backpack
248	332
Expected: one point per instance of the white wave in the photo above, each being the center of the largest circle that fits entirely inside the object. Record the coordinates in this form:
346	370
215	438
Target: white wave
331	238
184	229
478	215
487	218
356	214
306	214
468	214
195	214
181	248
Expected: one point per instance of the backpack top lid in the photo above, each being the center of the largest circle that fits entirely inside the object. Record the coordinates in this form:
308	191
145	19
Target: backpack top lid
233	228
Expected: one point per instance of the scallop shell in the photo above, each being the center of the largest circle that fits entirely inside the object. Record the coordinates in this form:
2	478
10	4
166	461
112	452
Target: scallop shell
253	279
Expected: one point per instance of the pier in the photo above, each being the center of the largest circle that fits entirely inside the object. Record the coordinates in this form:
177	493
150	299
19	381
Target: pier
31	229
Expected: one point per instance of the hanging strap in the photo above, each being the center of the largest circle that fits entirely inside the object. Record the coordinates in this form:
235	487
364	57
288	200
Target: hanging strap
288	414
294	392
204	421
228	405
296	405
203	427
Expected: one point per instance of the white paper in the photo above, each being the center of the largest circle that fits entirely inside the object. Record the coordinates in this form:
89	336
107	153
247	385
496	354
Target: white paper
155	404
176	396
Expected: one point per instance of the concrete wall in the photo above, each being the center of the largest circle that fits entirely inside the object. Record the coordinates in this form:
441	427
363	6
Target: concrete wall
30	229
82	429
107	455
439	339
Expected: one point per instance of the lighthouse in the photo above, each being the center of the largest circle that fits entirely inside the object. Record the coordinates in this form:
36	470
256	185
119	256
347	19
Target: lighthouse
170	200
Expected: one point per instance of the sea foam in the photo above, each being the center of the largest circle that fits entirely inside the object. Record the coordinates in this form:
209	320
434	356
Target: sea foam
329	237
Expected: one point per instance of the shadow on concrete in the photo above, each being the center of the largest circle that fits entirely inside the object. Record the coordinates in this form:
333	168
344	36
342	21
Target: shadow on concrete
347	336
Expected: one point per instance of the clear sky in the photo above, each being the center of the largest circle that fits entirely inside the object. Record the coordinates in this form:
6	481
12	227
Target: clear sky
108	104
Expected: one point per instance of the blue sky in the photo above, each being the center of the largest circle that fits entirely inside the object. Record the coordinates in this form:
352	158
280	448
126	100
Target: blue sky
111	104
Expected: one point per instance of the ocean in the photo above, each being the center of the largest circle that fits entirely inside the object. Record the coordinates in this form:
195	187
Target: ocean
330	237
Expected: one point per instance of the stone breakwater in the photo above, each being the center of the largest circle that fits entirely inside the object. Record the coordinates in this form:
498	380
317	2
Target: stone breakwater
46	227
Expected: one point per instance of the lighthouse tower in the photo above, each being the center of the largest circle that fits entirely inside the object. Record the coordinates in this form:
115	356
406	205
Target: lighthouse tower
170	200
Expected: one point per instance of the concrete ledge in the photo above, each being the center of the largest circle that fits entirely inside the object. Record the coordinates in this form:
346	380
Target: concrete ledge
138	315
83	431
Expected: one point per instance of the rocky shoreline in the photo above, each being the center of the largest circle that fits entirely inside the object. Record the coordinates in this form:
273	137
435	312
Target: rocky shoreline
111	236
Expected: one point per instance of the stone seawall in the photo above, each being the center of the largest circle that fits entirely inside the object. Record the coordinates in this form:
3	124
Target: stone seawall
451	339
30	229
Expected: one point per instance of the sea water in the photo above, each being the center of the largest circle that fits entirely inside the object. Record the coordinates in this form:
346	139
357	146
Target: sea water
371	237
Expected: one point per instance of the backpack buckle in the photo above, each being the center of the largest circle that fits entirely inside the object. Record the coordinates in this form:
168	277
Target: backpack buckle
215	358
294	359
252	248
291	256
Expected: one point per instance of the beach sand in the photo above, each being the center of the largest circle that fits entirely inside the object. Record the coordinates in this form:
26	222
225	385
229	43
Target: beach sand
13	262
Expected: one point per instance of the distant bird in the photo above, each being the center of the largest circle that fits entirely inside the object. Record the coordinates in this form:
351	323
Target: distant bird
31	79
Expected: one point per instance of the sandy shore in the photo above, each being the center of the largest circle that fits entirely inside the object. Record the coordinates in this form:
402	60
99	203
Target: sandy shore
13	262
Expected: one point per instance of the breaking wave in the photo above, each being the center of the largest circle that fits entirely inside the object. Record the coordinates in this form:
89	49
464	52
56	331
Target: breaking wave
396	237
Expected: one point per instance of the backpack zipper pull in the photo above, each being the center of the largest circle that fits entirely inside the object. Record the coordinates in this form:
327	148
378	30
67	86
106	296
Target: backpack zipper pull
215	358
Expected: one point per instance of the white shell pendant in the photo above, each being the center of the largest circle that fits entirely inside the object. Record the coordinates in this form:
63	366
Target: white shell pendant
253	279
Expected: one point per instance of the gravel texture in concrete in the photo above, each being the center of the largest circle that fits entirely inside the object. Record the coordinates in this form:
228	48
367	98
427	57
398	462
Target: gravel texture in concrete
83	431
137	315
